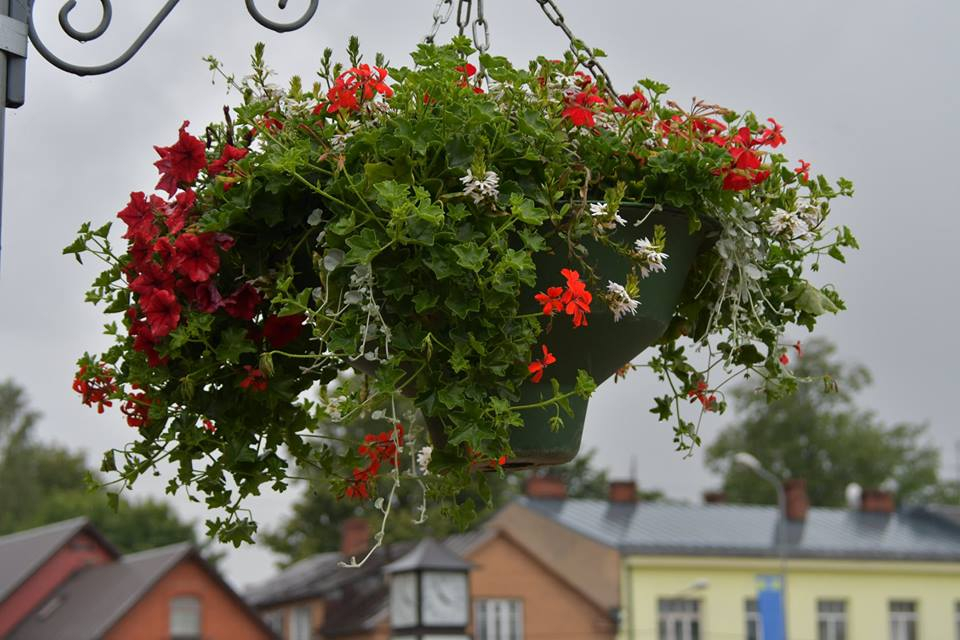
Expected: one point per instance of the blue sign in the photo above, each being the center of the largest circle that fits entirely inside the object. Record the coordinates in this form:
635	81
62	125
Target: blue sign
770	607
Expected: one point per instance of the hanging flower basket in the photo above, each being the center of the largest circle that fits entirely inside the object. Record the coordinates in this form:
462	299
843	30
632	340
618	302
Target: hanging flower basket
488	245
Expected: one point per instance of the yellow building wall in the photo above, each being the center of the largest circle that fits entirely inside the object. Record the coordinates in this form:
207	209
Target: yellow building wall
867	587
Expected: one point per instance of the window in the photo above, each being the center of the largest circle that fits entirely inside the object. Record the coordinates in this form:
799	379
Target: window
274	620
754	629
903	620
831	620
301	622
679	619
185	617
498	619
956	619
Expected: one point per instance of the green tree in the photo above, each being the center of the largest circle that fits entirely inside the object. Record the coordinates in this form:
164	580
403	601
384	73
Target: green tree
42	483
820	434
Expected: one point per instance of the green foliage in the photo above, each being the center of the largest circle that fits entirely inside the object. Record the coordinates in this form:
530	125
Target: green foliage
820	434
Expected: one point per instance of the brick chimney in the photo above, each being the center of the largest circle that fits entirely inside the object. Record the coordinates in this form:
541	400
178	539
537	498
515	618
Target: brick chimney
877	501
354	537
714	497
549	487
798	503
622	491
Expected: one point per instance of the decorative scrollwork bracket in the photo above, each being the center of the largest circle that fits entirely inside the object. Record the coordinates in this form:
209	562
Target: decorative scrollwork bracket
106	15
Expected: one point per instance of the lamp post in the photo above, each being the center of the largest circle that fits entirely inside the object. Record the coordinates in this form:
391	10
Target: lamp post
750	462
429	594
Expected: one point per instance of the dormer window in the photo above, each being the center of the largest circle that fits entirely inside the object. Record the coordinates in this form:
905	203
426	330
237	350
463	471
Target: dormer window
185	618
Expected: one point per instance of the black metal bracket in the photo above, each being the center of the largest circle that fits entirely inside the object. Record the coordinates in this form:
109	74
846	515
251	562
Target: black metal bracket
13	42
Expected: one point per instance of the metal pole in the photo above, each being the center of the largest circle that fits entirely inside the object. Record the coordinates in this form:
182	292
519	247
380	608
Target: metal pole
781	538
4	11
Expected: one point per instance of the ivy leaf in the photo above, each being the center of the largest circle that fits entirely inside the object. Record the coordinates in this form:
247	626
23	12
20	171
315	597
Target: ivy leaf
810	299
471	256
363	247
233	344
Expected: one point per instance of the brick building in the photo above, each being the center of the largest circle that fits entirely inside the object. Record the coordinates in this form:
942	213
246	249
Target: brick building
66	582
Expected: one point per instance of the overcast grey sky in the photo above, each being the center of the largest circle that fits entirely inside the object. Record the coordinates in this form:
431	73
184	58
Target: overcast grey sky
865	89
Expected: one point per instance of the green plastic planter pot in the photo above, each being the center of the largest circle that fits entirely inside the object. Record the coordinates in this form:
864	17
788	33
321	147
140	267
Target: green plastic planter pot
603	346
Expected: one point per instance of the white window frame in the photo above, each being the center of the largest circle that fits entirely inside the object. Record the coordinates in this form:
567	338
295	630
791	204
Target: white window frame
832	620
498	619
274	620
301	623
904	624
186	617
679	619
751	615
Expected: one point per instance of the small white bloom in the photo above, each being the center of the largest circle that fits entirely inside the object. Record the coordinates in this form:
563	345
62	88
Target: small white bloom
649	258
481	188
423	458
598	209
379	414
789	224
620	221
602	210
620	302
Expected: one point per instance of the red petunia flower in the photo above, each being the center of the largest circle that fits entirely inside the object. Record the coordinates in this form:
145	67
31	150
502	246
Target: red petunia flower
196	256
152	276
164	251
204	297
137	409
143	338
537	366
242	304
175	213
255	381
181	162
162	311
209	426
230	154
139	218
282	330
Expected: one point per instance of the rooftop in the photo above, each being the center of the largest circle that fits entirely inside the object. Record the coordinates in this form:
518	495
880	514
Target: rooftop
914	533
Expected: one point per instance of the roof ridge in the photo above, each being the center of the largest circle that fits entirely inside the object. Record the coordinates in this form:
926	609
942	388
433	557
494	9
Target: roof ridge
157	551
78	523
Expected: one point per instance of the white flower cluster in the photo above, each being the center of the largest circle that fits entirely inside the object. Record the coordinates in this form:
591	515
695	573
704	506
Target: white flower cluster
650	259
791	225
423	459
620	302
567	86
334	409
481	188
339	141
601	210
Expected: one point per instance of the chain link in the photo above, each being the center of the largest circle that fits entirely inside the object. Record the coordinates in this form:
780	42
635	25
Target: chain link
591	63
480	22
441	15
463	17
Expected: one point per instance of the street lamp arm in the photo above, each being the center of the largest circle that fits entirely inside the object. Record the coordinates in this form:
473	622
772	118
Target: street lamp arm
106	8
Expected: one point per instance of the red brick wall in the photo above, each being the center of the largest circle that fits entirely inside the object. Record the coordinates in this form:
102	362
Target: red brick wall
221	616
80	551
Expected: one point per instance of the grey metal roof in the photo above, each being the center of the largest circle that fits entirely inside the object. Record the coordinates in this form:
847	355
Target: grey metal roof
752	530
87	605
428	554
21	554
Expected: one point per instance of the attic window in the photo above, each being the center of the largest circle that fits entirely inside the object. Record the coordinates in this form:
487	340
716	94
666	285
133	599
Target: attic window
185	618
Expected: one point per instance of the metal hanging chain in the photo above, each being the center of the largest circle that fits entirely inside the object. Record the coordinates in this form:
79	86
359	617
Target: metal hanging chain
441	15
591	63
480	23
463	17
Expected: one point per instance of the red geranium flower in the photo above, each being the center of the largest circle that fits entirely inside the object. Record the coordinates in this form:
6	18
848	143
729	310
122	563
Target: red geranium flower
576	299
242	304
709	402
784	359
196	256
772	136
162	311
580	109
803	171
537	366
745	170
282	330
634	104
181	162
550	301
95	386
137	409
255	380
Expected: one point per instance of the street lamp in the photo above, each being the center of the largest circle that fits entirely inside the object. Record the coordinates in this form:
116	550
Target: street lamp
750	462
429	594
